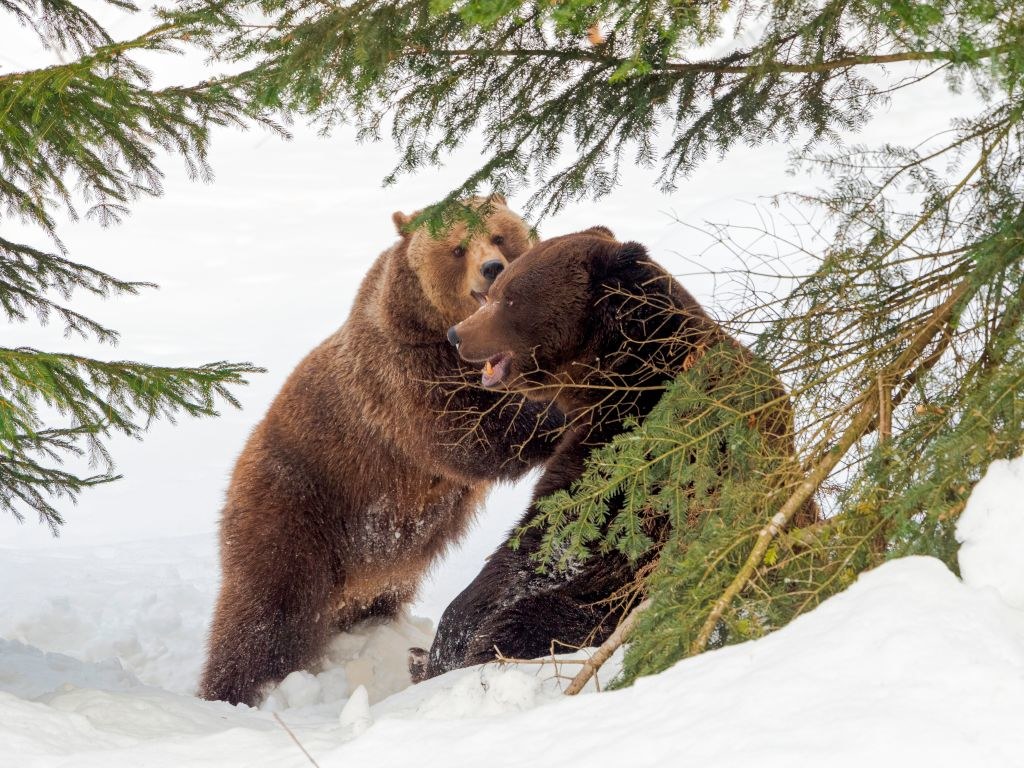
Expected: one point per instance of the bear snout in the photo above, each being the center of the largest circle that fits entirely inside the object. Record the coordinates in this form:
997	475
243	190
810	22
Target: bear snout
453	337
491	269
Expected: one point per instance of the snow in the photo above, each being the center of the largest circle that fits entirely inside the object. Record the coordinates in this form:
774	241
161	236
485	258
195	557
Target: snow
371	661
991	532
909	666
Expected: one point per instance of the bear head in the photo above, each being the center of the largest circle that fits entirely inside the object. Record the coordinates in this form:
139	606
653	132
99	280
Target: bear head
436	281
550	315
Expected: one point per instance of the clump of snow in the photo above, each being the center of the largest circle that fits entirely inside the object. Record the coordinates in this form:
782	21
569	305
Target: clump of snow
355	715
371	656
910	665
146	606
29	673
490	692
991	532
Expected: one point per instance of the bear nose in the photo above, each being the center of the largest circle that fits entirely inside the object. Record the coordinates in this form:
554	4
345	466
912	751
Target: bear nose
491	269
453	337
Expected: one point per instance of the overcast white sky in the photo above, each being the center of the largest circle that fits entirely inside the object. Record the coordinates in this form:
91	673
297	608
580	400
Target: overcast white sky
263	263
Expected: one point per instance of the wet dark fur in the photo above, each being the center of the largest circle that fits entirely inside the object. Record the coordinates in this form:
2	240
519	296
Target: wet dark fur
509	606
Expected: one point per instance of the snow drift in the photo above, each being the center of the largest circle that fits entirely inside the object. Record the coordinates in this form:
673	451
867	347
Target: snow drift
911	665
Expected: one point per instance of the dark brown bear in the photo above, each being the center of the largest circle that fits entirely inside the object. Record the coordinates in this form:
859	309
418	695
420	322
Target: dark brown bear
596	327
370	462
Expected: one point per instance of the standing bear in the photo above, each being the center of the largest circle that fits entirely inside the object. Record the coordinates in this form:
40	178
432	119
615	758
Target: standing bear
596	327
371	461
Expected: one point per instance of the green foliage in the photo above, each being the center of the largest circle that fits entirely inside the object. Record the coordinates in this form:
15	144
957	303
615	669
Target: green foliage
88	131
694	483
669	469
651	83
96	399
912	316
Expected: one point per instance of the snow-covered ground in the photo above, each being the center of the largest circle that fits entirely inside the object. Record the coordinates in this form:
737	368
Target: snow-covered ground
910	666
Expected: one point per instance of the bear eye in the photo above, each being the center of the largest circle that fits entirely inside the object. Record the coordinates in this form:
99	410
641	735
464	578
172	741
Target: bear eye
498	240
458	251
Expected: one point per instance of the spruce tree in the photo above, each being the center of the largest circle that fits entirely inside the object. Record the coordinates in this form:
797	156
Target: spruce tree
901	342
85	136
564	93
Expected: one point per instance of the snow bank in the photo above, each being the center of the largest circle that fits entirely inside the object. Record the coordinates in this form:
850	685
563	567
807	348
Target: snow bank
147	604
910	665
991	532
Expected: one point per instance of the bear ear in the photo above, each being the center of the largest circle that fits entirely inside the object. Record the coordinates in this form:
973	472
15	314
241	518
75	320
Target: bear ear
401	222
497	198
599	231
613	256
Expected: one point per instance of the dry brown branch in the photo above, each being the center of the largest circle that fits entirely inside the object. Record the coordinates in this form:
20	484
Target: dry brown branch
884	409
606	649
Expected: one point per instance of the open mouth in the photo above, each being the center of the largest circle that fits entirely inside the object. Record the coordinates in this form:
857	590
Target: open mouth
481	297
495	369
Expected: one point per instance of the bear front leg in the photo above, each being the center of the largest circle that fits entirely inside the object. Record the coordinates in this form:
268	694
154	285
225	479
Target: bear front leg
266	626
534	626
522	618
522	434
462	618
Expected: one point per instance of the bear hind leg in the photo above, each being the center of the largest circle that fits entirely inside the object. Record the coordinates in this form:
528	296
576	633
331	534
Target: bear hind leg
264	630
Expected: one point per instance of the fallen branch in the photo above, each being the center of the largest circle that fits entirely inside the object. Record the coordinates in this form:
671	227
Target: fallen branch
503	659
606	649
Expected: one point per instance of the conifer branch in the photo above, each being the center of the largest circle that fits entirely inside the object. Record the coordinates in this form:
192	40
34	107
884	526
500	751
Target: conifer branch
866	415
96	398
89	132
719	66
533	80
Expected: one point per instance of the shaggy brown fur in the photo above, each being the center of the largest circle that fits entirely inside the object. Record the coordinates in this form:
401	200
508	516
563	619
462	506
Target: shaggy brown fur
366	468
595	326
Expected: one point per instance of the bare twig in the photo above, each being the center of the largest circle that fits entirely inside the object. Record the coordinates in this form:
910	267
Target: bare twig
884	409
296	740
503	659
606	649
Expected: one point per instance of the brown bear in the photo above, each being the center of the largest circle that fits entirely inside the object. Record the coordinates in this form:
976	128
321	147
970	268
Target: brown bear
595	326
371	461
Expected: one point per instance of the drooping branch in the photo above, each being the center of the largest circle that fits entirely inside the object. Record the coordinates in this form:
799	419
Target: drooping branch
866	415
718	66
